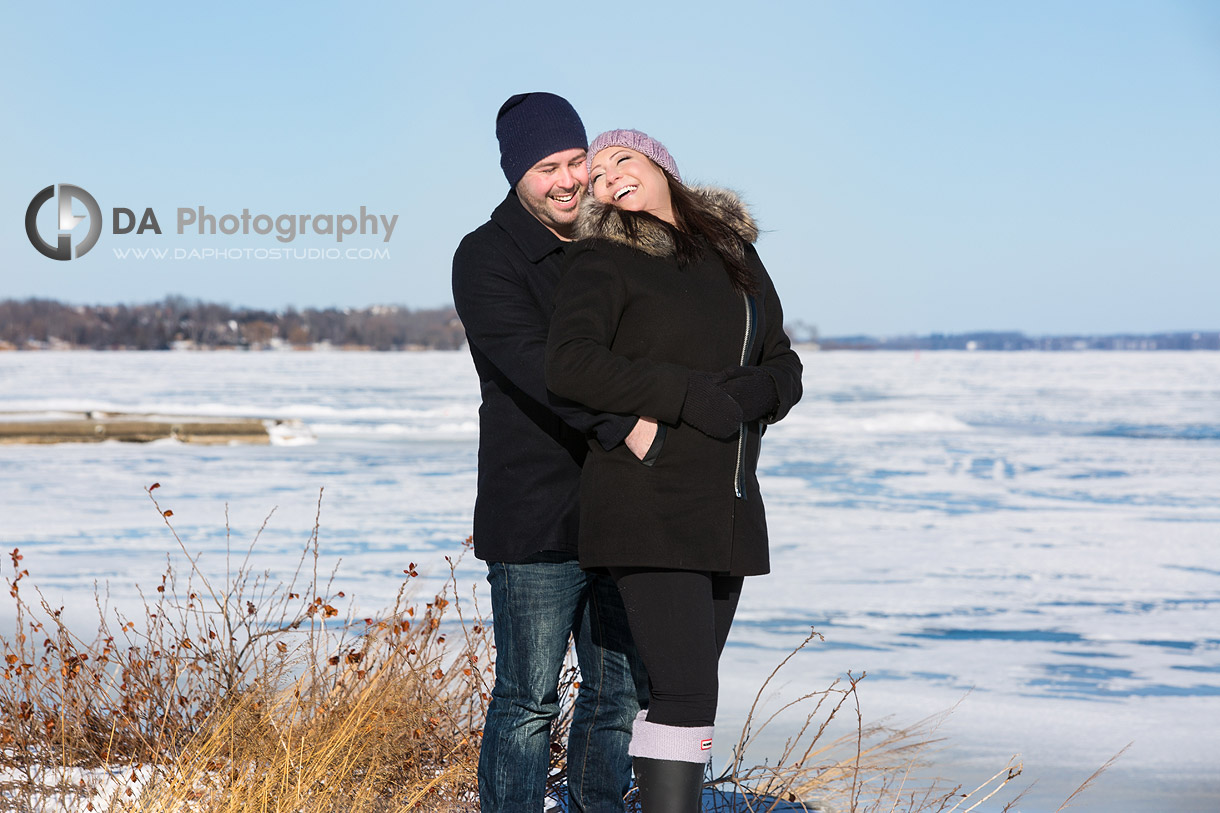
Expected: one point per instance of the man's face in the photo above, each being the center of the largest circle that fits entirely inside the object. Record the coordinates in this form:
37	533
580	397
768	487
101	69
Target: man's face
551	190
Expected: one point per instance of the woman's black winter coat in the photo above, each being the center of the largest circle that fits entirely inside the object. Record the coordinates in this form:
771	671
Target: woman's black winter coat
629	326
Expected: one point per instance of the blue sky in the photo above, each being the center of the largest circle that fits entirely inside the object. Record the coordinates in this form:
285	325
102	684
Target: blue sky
916	166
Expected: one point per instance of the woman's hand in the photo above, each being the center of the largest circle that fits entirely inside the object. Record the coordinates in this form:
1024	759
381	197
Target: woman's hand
639	441
709	407
754	391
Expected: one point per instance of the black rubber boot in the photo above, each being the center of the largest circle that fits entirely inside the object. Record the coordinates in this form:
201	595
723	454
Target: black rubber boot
668	786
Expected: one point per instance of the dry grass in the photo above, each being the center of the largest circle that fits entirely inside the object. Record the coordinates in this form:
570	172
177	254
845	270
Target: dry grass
249	695
245	696
874	768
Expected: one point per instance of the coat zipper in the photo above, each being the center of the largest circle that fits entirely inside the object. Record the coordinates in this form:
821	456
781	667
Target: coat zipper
747	342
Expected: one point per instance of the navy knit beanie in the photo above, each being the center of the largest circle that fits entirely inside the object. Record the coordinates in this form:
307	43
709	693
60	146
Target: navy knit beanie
531	126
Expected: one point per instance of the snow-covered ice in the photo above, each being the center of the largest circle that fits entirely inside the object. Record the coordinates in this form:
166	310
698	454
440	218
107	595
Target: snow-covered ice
1034	535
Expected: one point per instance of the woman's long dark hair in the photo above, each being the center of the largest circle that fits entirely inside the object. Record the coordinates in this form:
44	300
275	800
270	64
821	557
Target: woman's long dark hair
695	218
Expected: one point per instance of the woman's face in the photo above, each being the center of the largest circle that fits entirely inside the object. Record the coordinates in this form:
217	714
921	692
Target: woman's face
622	177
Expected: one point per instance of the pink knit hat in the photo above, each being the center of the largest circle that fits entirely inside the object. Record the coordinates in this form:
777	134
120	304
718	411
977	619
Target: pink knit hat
641	143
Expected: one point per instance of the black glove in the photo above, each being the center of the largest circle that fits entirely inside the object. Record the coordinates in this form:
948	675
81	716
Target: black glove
753	389
709	408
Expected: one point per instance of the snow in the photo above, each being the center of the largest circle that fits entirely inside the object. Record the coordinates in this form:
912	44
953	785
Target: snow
1027	537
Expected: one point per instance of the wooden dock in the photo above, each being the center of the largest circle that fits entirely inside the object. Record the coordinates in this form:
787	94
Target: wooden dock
94	427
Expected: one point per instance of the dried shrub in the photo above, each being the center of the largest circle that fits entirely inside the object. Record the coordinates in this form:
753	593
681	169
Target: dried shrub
254	694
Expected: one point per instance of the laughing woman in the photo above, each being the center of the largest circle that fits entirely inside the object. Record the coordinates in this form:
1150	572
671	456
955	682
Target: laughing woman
666	311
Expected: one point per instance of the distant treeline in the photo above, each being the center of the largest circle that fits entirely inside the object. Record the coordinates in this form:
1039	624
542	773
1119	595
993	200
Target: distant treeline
984	340
179	323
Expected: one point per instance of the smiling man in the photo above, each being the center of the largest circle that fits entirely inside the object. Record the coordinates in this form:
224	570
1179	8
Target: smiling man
531	447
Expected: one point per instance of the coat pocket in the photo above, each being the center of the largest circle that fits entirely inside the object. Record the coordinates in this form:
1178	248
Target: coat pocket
654	451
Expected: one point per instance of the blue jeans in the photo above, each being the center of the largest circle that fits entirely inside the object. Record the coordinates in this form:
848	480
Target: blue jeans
536	606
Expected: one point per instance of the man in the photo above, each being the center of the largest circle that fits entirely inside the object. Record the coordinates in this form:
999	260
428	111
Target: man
531	446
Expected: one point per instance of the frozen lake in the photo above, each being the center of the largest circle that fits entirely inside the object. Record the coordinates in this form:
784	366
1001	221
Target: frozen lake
1034	533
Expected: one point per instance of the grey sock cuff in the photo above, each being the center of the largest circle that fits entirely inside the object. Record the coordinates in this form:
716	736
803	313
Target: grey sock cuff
678	743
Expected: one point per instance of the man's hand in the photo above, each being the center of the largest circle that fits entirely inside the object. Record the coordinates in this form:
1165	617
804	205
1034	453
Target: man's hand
639	441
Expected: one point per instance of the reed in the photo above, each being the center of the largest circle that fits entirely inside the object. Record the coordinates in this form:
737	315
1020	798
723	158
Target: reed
254	694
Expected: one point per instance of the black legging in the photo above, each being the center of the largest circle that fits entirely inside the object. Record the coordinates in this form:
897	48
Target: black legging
679	620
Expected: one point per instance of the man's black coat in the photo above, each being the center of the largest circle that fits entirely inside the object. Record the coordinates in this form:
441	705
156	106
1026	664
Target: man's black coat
531	443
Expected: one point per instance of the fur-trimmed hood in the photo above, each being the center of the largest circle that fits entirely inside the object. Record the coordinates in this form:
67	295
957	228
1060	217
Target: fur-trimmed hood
596	220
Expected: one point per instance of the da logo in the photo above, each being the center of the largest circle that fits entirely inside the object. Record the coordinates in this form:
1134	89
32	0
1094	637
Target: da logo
62	250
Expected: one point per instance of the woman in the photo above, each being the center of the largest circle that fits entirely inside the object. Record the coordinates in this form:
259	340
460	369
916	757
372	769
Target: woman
666	311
